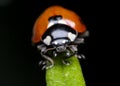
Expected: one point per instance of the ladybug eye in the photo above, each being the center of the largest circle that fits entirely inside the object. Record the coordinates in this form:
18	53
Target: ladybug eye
47	40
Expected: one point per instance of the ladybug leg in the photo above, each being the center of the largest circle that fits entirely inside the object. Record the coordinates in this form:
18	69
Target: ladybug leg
54	53
79	41
74	50
48	63
70	51
68	54
80	38
80	56
65	62
85	34
43	64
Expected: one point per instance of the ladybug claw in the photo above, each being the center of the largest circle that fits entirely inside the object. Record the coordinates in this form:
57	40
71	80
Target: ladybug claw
80	56
42	63
66	62
83	56
43	67
54	54
50	66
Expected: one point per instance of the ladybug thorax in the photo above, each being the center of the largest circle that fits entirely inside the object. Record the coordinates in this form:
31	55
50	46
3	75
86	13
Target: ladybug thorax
59	34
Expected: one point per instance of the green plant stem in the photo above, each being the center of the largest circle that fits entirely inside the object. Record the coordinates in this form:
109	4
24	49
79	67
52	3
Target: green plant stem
65	75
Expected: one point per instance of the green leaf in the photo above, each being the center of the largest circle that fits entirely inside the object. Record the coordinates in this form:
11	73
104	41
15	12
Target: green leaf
65	75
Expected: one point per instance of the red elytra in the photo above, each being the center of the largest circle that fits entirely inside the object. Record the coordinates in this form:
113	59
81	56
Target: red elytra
41	23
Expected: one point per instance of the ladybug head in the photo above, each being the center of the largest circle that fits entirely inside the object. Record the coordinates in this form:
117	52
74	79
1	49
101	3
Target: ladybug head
59	36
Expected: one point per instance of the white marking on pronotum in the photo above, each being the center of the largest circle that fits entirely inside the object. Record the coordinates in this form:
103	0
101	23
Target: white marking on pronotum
71	36
47	40
51	23
63	21
70	23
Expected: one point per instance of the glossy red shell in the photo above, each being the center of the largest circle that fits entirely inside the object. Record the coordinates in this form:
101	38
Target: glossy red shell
42	22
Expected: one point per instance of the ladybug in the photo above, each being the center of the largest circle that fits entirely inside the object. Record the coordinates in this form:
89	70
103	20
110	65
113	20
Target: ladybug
58	30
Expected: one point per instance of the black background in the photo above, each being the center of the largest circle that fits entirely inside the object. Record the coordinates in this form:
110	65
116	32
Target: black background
19	60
